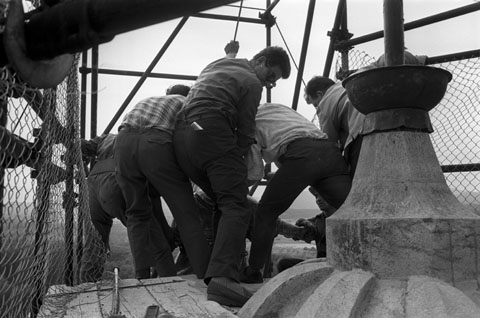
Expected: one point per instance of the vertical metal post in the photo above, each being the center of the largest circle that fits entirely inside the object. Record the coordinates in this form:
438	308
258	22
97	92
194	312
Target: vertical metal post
303	54
344	52
394	37
267	269
2	195
83	95
115	294
94	96
3	123
83	133
333	37
68	198
268	38
42	202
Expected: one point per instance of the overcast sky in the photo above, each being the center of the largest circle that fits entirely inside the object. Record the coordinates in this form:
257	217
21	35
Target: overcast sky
202	41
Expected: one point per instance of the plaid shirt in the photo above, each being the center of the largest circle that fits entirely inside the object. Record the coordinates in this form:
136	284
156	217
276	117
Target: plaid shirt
155	112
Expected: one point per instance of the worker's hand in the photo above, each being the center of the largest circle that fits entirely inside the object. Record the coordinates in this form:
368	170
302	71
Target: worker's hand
315	227
309	233
231	49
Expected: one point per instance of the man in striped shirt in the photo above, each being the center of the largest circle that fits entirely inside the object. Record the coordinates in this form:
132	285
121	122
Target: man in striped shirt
144	155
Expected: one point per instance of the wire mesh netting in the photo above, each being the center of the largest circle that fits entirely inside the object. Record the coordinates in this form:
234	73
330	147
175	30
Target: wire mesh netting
43	221
457	133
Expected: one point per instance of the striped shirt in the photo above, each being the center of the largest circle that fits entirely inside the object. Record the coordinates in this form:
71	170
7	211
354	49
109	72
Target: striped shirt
158	112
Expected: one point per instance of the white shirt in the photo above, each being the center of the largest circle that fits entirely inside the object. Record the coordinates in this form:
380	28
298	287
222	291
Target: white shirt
276	126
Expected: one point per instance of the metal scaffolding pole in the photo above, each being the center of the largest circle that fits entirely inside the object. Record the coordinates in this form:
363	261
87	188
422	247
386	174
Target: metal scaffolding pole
144	76
303	54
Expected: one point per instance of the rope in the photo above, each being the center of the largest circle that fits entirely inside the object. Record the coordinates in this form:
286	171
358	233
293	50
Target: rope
288	49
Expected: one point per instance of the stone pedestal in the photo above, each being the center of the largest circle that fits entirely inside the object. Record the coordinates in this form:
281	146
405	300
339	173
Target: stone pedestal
400	218
401	245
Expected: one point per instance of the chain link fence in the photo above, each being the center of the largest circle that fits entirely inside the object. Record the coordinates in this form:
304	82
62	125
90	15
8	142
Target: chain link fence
43	219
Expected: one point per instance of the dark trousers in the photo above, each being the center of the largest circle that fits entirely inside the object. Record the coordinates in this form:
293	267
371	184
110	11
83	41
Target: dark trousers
106	203
315	162
211	158
146	155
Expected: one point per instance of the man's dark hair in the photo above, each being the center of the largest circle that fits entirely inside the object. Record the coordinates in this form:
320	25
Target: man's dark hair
178	89
318	83
276	56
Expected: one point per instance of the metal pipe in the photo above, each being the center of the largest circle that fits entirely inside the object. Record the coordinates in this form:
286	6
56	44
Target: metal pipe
271	6
303	54
42	207
467	167
344	28
414	24
227	18
393	25
137	73
268	39
3	122
144	76
115	295
74	26
83	95
336	28
452	57
268	28
431	60
94	94
69	194
245	7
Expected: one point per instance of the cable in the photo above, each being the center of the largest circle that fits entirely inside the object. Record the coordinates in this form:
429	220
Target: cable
288	49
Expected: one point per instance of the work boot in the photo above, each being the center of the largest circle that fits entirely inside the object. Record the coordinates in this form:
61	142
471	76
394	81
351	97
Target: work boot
142	273
251	276
227	292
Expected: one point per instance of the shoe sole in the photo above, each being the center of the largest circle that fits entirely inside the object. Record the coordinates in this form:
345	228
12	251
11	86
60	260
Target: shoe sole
222	300
235	300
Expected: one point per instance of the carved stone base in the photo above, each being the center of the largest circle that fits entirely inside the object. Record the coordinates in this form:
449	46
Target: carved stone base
315	289
400	218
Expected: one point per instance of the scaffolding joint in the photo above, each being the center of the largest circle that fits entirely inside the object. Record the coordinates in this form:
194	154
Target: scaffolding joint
267	18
